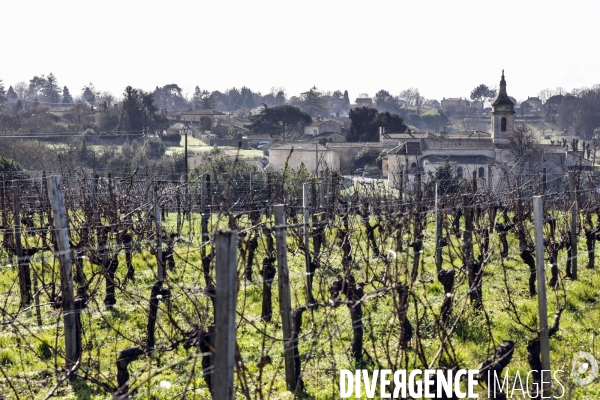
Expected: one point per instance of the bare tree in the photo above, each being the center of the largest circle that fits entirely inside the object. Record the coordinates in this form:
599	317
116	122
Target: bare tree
411	96
21	88
545	94
523	143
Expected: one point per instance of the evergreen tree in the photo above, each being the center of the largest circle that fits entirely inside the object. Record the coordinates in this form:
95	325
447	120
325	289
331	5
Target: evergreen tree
197	98
312	103
367	121
11	94
36	88
386	102
2	93
169	97
89	93
346	99
286	120
50	89
140	114
280	98
67	98
247	98
207	100
446	178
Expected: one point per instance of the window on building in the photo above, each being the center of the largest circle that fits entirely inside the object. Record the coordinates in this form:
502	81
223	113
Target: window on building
459	172
481	173
413	165
314	132
503	124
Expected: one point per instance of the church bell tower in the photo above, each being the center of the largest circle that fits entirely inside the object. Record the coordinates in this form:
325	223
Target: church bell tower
502	115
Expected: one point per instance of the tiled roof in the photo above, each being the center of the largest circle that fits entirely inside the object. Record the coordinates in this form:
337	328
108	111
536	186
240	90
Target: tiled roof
457	144
300	146
405	136
471	134
458	159
407	148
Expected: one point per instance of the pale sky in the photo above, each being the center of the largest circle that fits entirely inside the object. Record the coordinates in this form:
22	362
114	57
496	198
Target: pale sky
444	48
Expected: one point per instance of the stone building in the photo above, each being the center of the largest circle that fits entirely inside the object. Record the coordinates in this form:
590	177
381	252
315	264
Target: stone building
488	155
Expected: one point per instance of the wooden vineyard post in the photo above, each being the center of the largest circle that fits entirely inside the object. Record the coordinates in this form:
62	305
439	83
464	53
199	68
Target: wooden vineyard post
544	181
226	301
95	178
159	257
204	199
309	278
574	212
467	250
112	198
417	243
178	205
23	267
538	221
66	280
438	232
285	301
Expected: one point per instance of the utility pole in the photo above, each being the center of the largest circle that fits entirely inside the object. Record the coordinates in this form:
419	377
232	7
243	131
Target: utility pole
538	225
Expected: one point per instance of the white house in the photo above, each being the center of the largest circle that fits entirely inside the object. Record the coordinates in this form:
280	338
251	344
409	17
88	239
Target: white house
308	153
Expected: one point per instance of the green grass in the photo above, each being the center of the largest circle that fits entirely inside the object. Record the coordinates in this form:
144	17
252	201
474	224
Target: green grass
28	353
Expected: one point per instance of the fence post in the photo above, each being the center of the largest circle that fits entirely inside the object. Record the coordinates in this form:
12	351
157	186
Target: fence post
438	232
226	298
574	212
95	178
285	301
22	267
178	205
66	277
538	225
467	243
205	197
159	257
305	204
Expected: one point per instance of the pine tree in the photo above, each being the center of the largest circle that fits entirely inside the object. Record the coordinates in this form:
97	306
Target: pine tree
50	89
280	98
11	94
197	98
208	101
89	93
2	93
346	99
67	98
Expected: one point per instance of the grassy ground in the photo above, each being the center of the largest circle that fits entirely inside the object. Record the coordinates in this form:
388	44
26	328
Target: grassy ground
196	146
28	358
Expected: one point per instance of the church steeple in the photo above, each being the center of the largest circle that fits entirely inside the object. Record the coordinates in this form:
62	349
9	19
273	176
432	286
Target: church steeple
502	95
502	115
